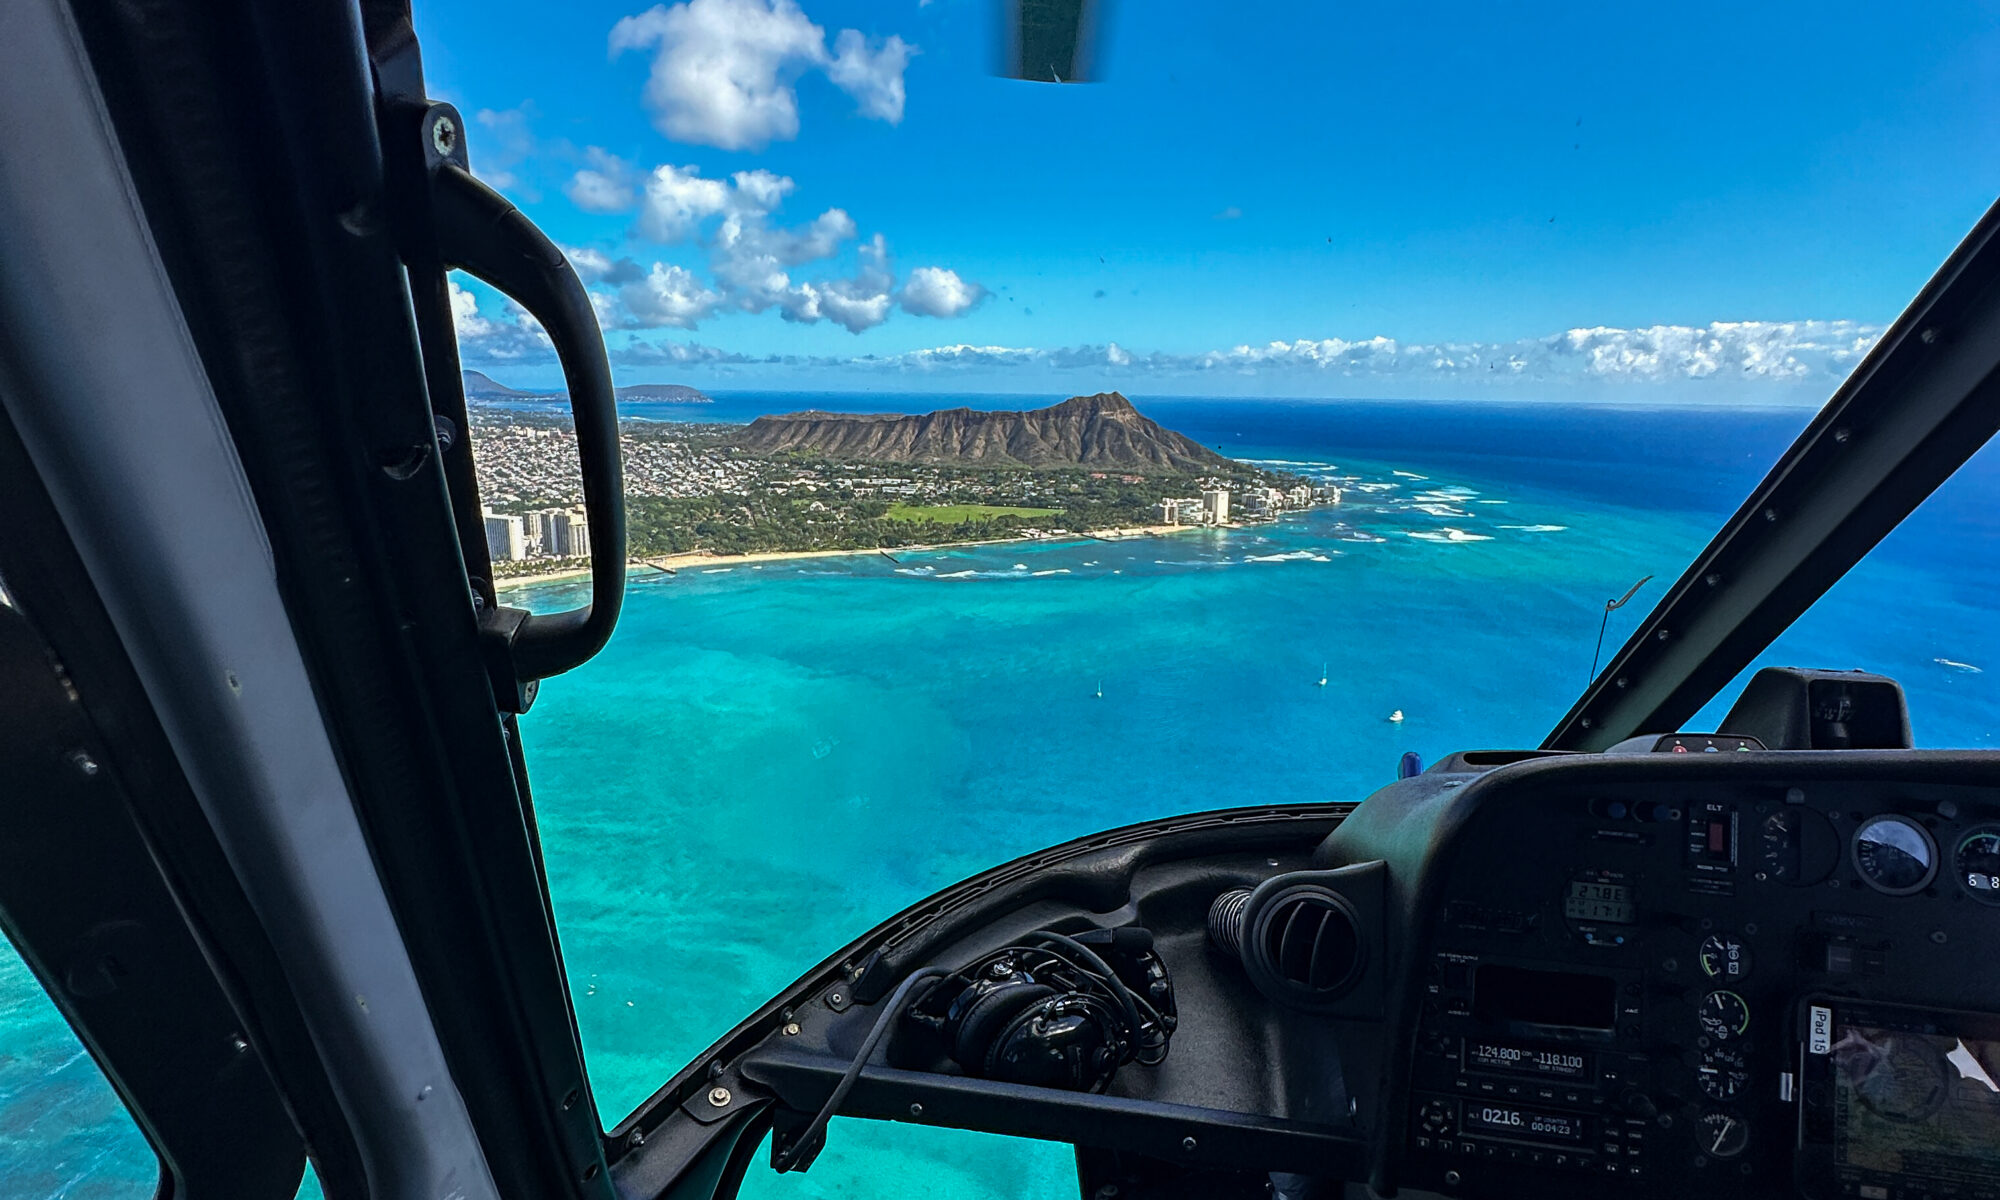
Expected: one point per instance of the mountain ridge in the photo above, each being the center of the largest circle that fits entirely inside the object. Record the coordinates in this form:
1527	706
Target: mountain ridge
480	386
1102	430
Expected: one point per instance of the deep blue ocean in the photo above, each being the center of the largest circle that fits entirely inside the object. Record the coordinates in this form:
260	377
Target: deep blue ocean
770	758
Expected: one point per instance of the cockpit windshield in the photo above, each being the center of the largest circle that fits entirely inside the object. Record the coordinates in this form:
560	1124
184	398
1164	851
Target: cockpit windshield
1473	339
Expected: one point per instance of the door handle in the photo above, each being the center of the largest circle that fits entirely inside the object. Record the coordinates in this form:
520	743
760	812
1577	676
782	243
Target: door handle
480	232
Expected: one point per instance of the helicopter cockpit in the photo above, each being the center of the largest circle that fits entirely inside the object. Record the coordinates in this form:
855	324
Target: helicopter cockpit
285	880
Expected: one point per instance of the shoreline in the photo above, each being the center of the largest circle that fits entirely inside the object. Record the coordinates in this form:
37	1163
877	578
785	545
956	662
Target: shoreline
703	558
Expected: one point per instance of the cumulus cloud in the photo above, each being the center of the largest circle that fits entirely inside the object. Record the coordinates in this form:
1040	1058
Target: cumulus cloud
1819	353
1768	351
595	266
725	72
674	354
676	201
959	356
667	297
863	301
939	292
752	257
873	76
515	338
608	184
1726	361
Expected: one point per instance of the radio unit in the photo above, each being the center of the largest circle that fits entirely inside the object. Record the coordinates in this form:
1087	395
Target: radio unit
1525	1065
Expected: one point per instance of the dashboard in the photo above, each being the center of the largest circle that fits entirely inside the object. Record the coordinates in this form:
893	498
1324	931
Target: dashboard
1709	969
1698	967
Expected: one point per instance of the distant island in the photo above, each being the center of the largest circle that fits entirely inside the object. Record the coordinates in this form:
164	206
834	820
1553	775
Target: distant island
664	393
480	386
826	483
1103	430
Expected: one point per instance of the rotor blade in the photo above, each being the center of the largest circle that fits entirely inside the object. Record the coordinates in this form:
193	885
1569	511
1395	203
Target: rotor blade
1053	41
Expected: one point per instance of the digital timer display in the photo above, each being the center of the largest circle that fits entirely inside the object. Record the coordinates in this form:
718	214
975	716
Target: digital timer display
1504	1120
1607	903
1521	1060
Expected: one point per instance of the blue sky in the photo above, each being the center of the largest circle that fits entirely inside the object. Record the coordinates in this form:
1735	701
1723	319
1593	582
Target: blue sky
1701	204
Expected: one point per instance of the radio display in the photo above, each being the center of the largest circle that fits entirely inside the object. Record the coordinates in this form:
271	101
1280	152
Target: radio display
1610	903
1505	1120
1521	1060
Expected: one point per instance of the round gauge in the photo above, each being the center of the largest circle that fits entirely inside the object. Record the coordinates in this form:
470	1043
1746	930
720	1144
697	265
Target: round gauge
1894	855
1724	957
1724	1016
1721	1136
1977	860
1723	1073
1797	847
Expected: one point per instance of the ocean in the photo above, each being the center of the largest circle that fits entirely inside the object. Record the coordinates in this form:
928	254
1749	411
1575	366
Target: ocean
770	758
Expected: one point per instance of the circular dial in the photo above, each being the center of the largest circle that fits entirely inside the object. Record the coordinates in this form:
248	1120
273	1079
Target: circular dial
1724	1016
1720	1135
1723	1073
1724	957
1894	855
1796	847
1977	861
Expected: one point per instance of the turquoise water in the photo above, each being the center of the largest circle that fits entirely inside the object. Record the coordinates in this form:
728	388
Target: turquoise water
768	759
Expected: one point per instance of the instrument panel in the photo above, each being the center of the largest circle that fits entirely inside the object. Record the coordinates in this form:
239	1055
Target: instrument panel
1649	978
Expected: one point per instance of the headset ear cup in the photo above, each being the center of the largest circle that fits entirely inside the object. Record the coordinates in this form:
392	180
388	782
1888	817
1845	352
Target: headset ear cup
990	1016
1067	1040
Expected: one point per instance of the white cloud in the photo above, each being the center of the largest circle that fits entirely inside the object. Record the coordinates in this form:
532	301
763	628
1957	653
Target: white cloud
595	266
939	292
862	302
608	185
676	354
725	71
753	259
956	356
873	77
669	296
761	190
1764	351
482	339
1726	361
1705	359
677	200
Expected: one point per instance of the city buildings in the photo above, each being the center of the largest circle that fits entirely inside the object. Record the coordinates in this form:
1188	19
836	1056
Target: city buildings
545	533
1214	505
506	537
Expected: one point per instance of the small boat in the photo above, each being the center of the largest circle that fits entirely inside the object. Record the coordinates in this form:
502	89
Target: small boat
1100	689
1322	674
1396	718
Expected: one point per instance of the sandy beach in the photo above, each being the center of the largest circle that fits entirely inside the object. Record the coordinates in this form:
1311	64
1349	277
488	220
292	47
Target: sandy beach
697	559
